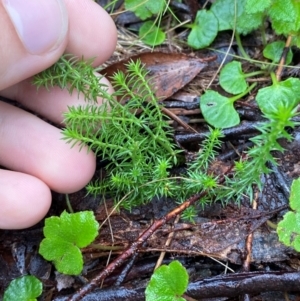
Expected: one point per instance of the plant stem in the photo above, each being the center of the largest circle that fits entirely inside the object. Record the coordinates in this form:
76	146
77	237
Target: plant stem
69	204
236	97
251	74
240	45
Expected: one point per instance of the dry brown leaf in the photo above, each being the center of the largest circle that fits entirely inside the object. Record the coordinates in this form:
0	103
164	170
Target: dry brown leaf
169	71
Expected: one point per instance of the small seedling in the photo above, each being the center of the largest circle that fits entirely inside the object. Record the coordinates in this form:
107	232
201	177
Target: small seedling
25	288
168	283
64	236
288	229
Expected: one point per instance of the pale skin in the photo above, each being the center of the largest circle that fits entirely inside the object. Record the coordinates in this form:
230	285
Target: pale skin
36	158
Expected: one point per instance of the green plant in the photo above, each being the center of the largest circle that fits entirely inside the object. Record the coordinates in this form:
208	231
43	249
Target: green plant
64	236
129	130
25	288
168	283
288	229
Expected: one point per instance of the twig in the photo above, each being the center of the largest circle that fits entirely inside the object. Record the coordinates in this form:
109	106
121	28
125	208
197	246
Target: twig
231	285
283	57
167	244
134	247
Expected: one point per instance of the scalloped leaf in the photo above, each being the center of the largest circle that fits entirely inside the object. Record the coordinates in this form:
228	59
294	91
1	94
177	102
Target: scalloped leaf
218	110
257	6
168	283
64	236
25	288
232	78
204	30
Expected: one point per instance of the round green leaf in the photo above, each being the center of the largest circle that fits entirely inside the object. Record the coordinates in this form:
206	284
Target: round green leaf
295	195
232	78
151	34
284	93
218	110
273	52
204	30
26	288
168	283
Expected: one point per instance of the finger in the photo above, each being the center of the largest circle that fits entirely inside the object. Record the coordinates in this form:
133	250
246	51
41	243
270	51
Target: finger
24	200
92	32
51	104
32	146
33	36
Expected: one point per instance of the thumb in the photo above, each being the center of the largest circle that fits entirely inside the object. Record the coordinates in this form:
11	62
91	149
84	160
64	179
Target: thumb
33	36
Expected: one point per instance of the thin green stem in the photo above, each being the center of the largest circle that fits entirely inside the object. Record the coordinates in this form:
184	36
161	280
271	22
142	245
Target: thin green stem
69	204
251	74
240	45
274	78
237	97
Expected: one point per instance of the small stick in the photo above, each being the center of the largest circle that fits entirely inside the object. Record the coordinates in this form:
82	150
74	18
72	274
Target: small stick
283	57
134	247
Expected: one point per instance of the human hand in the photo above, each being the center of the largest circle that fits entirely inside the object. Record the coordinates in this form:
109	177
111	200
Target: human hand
34	34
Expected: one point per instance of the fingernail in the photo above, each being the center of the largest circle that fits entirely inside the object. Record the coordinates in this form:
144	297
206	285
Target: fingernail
40	24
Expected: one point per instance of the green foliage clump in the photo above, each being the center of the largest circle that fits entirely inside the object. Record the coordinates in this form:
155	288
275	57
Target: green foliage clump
288	229
64	236
168	283
128	129
244	16
249	172
25	288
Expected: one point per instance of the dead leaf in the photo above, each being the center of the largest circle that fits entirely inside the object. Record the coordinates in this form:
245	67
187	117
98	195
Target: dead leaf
169	71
